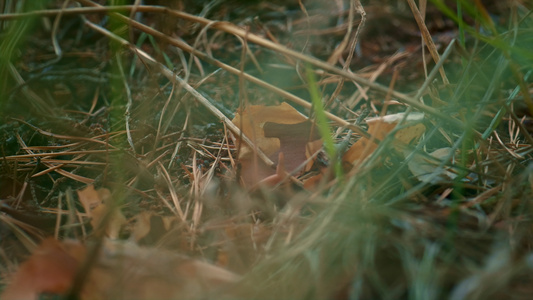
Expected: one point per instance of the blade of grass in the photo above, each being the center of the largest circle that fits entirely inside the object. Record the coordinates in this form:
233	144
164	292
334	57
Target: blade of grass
322	123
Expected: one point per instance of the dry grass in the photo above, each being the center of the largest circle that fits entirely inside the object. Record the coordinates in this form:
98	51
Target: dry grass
139	99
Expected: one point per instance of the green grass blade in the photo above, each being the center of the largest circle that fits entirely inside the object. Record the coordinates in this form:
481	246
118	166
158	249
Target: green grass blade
322	121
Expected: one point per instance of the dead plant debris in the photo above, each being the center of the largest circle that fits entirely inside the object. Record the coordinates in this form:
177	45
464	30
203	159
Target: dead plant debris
185	150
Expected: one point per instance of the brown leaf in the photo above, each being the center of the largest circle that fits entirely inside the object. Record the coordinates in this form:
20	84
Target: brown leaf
95	202
313	182
379	128
149	227
90	198
127	271
274	129
50	269
297	141
122	271
280	174
252	120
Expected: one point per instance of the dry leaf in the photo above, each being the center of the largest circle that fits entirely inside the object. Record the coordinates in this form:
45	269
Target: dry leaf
94	202
274	129
127	271
279	176
379	128
251	122
50	269
122	271
149	227
239	244
91	198
313	182
427	170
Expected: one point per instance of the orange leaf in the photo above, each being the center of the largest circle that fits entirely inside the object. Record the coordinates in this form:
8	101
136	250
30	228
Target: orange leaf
127	271
50	269
274	129
121	271
94	203
379	128
149	227
91	198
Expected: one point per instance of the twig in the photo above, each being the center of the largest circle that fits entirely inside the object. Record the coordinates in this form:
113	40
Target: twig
427	39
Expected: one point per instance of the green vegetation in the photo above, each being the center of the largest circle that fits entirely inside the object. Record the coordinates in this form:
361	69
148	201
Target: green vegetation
98	98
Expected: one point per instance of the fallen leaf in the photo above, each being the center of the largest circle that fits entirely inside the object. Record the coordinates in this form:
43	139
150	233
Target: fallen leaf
149	227
428	170
279	176
50	269
127	271
91	198
274	129
117	220
313	182
123	270
379	128
239	244
95	202
298	142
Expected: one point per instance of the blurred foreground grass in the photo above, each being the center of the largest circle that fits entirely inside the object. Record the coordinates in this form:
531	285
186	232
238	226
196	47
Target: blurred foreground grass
381	233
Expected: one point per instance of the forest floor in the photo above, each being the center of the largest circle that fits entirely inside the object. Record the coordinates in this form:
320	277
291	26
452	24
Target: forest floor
232	149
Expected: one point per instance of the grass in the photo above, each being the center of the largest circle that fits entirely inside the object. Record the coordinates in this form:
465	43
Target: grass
323	126
153	127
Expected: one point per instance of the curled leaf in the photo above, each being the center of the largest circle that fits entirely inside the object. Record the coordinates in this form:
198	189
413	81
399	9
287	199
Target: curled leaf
96	204
379	128
274	129
427	170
